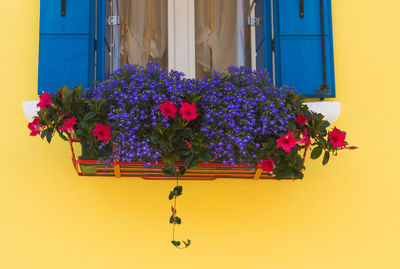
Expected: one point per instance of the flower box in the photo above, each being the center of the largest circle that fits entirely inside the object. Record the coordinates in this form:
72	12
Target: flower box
236	126
149	114
85	166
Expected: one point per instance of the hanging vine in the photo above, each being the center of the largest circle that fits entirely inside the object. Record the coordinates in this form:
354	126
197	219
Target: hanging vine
174	219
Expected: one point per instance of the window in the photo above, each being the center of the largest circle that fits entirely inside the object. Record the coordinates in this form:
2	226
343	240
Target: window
144	31
221	35
84	40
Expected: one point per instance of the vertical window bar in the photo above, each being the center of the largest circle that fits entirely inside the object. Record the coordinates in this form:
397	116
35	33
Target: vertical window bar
324	87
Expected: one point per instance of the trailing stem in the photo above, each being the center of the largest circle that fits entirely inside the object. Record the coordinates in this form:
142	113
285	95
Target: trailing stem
174	219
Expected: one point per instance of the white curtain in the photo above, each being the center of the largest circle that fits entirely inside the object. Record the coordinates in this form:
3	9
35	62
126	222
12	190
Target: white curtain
143	31
220	35
220	32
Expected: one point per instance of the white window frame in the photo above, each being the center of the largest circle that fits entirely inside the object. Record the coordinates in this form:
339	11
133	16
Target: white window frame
181	37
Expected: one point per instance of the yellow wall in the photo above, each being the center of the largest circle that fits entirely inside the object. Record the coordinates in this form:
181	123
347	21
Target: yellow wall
345	215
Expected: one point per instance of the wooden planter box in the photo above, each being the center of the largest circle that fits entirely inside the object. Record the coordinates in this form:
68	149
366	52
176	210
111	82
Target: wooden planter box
203	171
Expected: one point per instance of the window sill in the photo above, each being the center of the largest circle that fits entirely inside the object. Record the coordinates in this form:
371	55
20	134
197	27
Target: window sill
330	110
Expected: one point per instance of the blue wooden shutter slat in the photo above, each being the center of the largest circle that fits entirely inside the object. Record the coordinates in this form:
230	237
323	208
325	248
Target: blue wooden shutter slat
263	36
299	46
260	35
65	44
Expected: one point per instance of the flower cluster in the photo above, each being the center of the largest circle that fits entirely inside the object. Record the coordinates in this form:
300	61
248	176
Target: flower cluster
187	111
240	109
103	132
45	100
35	127
336	138
134	96
72	116
68	125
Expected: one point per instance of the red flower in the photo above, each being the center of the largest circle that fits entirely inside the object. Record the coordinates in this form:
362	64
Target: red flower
45	100
336	138
35	127
301	119
188	112
102	132
268	165
305	140
168	109
287	142
68	124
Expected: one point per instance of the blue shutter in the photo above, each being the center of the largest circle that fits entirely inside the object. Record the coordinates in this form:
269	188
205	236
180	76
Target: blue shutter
66	44
101	40
298	46
263	36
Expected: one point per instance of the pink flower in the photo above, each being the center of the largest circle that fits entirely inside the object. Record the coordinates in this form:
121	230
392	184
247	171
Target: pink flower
102	132
35	127
173	210
336	138
168	109
268	165
305	140
188	112
45	100
188	143
68	124
301	119
287	142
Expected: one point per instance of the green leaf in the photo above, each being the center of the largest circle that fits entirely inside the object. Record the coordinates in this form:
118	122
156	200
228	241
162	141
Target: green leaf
169	162
80	133
63	136
196	99
176	243
187	243
64	91
195	149
291	126
44	133
185	153
316	152
324	125
326	158
89	115
188	160
78	90
49	134
206	157
171	195
182	170
187	133
178	190
171	219
169	171
299	175
178	220
155	139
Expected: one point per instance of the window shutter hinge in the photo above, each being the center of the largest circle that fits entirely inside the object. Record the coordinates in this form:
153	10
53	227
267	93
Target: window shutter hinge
273	45
254	21
113	20
95	45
